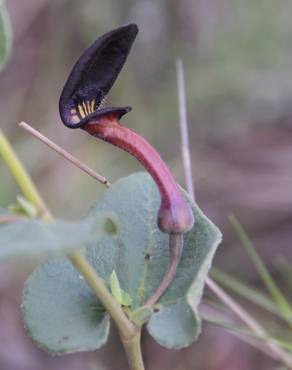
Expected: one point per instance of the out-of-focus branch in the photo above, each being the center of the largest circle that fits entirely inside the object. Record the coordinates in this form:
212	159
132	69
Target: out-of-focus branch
185	146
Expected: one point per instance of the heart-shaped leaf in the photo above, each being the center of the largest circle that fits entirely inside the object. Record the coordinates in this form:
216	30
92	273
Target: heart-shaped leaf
138	253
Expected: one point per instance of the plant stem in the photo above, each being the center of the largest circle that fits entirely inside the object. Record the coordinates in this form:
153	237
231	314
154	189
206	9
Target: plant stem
129	332
21	177
175	251
126	327
133	350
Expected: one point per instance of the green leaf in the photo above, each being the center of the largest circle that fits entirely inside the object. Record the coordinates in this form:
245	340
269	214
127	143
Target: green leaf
138	253
5	35
115	287
27	207
122	297
61	312
23	207
126	299
175	326
31	238
142	315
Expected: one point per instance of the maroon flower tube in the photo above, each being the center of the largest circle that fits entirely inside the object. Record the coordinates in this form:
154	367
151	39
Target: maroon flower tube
82	106
175	215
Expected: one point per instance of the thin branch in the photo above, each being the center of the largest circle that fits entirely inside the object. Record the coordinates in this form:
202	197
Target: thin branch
250	322
244	316
64	153
185	145
215	316
133	350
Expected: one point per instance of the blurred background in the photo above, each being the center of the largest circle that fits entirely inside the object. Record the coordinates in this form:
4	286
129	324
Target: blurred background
238	67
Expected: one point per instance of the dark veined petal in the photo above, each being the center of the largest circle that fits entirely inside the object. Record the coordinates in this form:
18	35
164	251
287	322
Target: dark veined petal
83	96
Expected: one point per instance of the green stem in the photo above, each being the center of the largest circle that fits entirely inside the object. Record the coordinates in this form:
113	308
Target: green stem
129	332
21	177
126	327
133	350
175	251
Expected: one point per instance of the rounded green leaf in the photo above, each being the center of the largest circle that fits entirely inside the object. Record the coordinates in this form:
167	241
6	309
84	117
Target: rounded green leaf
175	326
60	311
142	315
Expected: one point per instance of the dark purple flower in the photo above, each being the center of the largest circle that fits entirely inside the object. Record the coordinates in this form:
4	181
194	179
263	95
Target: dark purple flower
83	96
82	105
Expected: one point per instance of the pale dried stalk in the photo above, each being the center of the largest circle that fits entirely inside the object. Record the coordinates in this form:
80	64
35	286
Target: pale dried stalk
184	129
64	154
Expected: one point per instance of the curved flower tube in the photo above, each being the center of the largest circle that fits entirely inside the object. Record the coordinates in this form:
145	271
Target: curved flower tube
175	215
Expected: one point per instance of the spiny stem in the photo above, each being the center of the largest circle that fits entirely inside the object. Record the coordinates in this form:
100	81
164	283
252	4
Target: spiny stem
175	251
245	317
64	153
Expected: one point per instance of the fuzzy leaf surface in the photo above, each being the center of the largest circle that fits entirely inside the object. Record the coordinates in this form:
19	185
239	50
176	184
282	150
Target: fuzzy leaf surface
60	311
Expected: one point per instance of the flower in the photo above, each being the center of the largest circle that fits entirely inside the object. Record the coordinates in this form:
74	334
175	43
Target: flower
82	105
84	94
